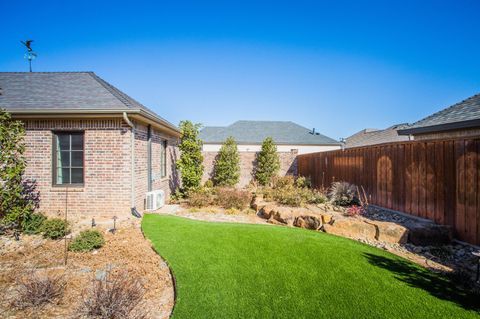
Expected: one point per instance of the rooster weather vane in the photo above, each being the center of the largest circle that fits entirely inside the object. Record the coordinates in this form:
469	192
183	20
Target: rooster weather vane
29	55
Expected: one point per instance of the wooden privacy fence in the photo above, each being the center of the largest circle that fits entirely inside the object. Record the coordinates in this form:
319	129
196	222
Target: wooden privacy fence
434	179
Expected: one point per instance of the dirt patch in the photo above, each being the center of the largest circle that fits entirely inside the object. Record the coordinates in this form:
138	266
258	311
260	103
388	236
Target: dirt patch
212	214
126	250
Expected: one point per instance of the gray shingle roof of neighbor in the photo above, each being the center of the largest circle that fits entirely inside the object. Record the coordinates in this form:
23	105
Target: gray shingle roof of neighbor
464	114
254	132
374	136
65	91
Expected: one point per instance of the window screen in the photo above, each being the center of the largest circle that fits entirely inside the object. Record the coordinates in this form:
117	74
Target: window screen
163	159
68	163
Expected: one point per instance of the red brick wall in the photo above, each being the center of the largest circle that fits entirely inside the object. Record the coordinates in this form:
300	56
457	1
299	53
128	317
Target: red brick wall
107	179
168	183
288	165
106	191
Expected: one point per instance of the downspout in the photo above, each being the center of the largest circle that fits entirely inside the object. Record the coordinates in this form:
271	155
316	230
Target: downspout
149	157
133	209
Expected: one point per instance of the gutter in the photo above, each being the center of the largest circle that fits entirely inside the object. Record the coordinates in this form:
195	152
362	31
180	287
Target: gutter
142	115
133	209
441	127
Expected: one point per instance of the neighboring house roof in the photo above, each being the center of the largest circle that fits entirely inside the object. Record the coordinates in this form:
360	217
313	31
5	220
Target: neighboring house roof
465	114
254	132
67	92
374	136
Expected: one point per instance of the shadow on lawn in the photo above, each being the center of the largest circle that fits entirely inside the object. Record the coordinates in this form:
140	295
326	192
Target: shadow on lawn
437	285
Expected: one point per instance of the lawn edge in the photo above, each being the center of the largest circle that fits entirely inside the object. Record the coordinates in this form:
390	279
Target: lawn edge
170	269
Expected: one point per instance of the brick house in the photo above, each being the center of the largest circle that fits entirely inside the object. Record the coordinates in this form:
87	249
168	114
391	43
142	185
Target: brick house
459	120
89	147
291	139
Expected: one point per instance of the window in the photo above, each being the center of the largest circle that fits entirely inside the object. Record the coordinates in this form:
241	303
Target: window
68	163
163	159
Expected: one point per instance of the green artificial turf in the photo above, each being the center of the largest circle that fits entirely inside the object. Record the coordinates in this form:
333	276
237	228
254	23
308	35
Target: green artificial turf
226	270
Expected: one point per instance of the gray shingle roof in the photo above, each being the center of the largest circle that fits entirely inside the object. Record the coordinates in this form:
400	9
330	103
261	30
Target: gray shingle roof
372	136
254	132
466	112
64	91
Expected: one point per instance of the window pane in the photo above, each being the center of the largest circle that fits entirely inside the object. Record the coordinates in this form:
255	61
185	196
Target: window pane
77	141
63	175
63	142
77	159
63	159
77	175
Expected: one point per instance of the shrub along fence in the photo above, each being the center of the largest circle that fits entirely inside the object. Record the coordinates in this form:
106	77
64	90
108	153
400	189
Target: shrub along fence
434	179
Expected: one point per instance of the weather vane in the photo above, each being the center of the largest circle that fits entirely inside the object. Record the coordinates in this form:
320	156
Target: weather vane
29	55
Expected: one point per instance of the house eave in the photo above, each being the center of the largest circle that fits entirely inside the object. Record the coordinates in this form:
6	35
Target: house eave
138	114
441	127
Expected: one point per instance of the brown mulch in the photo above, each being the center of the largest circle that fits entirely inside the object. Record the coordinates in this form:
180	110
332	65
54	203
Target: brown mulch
126	250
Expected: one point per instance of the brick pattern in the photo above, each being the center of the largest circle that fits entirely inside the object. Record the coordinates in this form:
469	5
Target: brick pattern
106	188
106	191
167	183
288	165
74	124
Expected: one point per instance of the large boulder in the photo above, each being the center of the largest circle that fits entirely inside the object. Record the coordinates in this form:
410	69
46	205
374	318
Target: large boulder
308	222
284	216
266	211
429	234
351	227
391	232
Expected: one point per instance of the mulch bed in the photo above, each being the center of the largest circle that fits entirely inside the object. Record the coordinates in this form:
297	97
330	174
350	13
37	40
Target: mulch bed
126	250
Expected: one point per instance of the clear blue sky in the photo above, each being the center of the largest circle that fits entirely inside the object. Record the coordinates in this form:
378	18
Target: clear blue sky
339	66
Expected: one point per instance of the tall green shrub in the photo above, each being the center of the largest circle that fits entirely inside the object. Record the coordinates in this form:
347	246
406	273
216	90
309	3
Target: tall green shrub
227	164
15	204
268	163
191	158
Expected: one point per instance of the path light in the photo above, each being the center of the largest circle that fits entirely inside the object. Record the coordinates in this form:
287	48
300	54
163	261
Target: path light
93	222
114	229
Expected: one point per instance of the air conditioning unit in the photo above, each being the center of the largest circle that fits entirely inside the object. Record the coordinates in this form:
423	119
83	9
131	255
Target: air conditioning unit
155	199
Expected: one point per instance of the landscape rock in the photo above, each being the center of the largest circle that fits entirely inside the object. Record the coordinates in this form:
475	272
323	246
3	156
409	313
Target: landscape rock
429	234
308	222
391	232
327	218
266	211
284	216
351	228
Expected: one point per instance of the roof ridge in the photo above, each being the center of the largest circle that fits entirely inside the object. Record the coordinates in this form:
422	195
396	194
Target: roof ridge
125	98
113	90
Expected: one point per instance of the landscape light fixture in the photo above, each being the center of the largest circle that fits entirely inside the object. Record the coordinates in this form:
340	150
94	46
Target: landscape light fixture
114	229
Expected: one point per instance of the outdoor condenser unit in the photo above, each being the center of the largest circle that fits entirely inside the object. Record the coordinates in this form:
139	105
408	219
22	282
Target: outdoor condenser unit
155	199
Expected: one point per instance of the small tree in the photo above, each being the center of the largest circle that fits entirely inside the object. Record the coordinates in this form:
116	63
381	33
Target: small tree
191	158
15	202
227	164
268	162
